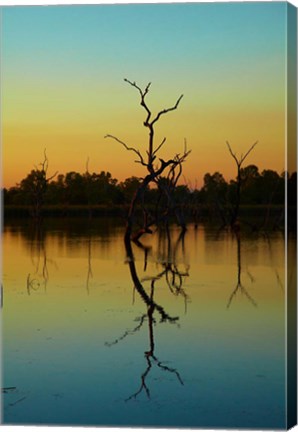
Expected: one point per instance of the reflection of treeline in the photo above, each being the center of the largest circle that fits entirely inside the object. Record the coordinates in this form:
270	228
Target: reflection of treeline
266	188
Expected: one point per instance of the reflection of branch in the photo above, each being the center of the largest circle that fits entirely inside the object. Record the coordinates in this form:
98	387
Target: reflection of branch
139	287
143	385
279	282
89	273
45	273
151	307
41	273
174	280
278	279
239	286
149	355
168	369
32	284
251	277
128	332
174	276
146	250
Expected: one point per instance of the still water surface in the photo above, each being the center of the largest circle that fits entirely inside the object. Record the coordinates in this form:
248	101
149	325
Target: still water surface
202	346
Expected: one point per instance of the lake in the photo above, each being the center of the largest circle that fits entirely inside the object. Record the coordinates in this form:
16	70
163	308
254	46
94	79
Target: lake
184	332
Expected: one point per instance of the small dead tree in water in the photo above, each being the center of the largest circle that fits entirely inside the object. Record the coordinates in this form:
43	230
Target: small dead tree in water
239	162
155	167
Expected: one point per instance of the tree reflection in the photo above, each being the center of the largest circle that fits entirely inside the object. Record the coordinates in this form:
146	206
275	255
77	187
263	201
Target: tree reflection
173	275
173	279
150	357
138	285
38	279
273	265
239	286
89	270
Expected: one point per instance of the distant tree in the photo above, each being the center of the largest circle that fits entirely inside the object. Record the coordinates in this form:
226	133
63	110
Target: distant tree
215	193
239	181
34	186
129	187
272	186
75	192
56	191
249	174
250	178
215	185
103	188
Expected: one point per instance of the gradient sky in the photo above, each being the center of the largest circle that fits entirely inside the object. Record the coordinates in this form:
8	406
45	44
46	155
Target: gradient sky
63	88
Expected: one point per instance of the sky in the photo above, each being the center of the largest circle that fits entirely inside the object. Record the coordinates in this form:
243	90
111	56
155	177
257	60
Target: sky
63	89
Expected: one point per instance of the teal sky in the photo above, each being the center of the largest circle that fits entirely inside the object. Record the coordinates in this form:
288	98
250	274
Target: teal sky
146	40
63	70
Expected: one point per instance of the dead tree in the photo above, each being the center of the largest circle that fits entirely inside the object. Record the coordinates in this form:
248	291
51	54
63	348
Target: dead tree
239	162
154	165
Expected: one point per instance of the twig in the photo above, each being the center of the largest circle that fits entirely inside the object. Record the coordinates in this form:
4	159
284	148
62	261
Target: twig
137	152
19	400
242	158
166	110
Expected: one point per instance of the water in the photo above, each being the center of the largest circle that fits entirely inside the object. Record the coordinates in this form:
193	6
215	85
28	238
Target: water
203	345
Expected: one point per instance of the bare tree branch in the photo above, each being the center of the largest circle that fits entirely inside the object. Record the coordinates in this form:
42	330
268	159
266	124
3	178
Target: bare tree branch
166	110
247	153
143	95
240	160
137	152
160	146
128	332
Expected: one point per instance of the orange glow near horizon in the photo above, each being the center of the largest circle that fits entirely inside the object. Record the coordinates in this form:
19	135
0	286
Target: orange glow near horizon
64	91
69	147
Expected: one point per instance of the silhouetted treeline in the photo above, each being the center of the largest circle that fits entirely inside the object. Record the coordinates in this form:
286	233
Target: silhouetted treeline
265	188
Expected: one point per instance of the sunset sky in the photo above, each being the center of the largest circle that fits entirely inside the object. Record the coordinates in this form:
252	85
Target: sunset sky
63	89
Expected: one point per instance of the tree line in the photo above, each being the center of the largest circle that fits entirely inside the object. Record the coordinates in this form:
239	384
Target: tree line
158	195
74	188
